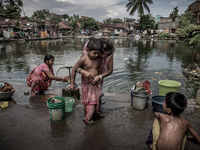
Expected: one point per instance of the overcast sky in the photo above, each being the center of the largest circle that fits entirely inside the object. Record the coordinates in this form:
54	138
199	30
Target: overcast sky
102	9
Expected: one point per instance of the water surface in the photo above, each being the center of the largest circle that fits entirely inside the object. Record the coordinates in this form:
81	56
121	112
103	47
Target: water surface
133	61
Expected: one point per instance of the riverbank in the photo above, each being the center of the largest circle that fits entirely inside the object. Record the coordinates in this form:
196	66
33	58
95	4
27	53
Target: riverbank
28	126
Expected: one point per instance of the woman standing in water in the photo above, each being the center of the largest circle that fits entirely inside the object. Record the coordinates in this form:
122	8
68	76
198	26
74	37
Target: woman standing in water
106	68
41	76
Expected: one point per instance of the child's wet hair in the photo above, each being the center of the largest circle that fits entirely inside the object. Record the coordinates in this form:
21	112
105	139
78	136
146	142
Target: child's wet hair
48	57
177	102
107	45
94	44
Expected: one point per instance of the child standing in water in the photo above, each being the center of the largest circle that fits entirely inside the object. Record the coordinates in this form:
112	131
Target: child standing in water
89	92
172	127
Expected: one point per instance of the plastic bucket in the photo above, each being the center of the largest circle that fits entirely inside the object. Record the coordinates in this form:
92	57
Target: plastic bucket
166	86
56	110
69	101
139	101
157	103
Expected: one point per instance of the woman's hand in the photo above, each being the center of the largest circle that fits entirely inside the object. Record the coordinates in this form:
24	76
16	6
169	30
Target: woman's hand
96	79
71	87
66	79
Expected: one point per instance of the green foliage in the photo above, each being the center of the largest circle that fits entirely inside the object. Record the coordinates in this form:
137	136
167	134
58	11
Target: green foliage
40	14
17	23
74	22
138	5
12	12
174	13
195	41
89	23
11	8
54	20
108	20
187	24
65	16
165	35
117	20
147	22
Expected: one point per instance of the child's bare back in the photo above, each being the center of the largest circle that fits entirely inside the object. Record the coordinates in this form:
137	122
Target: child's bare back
172	131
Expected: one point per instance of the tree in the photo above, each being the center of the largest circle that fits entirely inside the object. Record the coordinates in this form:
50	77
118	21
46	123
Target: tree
117	20
40	14
187	24
54	20
89	23
73	22
174	13
138	5
147	22
108	20
65	16
11	8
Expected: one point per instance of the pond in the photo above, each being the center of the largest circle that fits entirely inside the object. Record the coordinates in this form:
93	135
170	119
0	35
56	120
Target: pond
133	61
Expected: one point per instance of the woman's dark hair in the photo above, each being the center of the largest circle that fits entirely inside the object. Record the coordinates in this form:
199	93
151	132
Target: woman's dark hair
177	102
107	45
48	57
94	44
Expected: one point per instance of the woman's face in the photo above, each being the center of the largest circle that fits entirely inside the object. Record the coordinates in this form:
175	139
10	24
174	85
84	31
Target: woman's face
105	53
50	62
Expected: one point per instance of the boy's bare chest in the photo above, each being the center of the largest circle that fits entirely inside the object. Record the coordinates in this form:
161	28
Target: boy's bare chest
90	63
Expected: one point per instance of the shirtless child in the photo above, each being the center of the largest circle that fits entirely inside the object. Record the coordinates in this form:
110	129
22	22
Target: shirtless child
172	126
90	93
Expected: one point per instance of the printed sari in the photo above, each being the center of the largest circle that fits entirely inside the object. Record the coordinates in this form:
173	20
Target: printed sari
90	96
38	82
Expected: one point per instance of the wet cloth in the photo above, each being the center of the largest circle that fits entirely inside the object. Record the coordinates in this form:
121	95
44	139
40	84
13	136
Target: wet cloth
90	96
155	132
39	81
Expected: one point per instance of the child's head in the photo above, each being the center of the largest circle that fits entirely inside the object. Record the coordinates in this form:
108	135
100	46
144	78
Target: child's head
93	48
49	59
106	47
175	103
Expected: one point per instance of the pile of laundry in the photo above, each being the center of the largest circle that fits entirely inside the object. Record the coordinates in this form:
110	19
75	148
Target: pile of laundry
6	88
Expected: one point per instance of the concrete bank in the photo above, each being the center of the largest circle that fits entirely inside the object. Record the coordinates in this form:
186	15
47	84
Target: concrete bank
28	127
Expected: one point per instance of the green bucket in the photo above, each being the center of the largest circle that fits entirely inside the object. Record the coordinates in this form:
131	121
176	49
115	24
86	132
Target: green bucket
166	86
56	110
69	101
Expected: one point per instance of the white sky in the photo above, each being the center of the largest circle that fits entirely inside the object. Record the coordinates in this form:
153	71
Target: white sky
102	9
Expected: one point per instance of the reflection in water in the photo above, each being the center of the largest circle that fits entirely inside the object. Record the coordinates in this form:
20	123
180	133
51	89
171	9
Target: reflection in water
145	58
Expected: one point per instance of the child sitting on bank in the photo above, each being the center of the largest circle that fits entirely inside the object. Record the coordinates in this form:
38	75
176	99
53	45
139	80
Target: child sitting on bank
173	128
90	93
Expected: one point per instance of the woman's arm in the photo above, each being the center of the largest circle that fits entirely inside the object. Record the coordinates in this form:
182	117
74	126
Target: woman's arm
105	74
109	68
52	77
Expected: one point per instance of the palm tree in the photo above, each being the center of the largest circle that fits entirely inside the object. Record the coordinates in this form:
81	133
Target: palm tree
138	5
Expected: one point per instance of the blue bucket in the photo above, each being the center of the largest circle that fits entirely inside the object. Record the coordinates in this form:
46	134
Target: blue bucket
157	103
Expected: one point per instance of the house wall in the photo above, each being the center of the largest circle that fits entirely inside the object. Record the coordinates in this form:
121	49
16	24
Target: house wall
195	8
118	30
168	25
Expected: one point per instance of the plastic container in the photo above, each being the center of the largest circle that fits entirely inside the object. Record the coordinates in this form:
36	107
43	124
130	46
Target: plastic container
69	101
157	103
56	110
139	101
6	95
166	86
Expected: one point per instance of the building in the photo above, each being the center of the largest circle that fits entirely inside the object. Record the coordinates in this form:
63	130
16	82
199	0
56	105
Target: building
167	25
195	8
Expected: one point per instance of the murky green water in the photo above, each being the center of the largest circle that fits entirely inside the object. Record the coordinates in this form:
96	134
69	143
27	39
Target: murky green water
133	61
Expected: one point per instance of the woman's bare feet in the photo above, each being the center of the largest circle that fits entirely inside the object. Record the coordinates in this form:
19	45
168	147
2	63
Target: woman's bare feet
32	93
